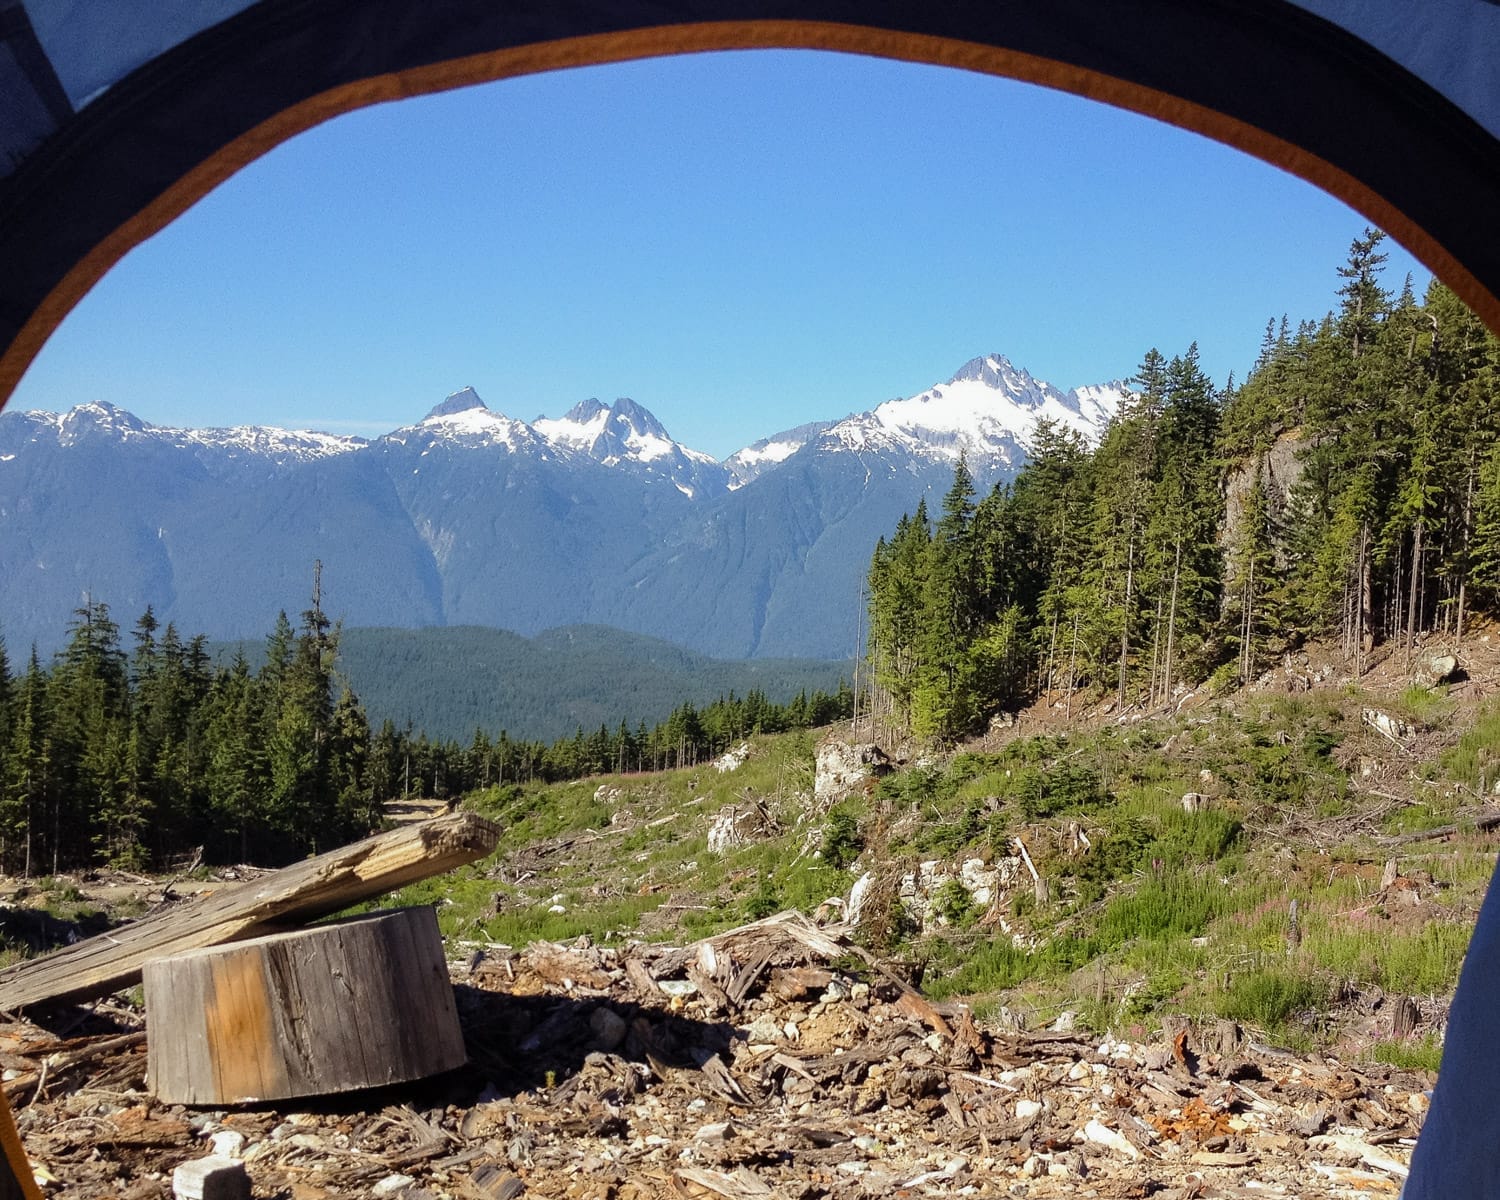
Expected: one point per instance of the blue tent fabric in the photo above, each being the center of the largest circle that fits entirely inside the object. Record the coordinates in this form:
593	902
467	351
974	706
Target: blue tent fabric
1458	1153
1452	45
93	44
31	96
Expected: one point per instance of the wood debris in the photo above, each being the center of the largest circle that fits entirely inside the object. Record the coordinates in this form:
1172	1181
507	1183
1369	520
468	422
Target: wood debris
294	895
802	1072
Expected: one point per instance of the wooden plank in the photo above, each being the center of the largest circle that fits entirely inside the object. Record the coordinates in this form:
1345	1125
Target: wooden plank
301	892
252	1021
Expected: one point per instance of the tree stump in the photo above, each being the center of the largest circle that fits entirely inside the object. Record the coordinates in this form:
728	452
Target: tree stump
1404	1017
351	1004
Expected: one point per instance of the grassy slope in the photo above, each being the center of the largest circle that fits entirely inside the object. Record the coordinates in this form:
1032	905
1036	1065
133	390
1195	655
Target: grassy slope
1167	911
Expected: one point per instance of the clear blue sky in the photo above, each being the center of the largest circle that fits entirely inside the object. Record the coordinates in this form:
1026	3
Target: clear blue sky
741	242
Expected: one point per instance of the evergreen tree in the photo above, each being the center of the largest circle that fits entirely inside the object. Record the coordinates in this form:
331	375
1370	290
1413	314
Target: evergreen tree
27	784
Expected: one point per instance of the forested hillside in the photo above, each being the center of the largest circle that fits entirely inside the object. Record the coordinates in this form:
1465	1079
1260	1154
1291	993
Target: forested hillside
136	757
1348	489
451	680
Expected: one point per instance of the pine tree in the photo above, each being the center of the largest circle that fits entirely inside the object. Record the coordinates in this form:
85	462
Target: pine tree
27	782
944	700
237	773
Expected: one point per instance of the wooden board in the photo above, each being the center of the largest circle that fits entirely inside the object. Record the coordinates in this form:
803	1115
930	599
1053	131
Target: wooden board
353	1004
301	892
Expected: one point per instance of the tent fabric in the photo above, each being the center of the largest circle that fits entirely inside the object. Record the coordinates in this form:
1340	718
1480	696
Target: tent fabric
31	96
116	115
1451	45
1273	77
93	44
1458	1152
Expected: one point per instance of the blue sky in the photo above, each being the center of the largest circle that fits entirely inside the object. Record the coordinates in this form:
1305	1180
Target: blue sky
740	242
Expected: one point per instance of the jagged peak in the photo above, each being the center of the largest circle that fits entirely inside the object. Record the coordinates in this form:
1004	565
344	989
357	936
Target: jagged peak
638	415
990	369
102	412
456	402
583	412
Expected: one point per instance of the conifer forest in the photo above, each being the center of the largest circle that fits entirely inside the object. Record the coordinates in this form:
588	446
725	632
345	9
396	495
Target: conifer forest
1348	490
150	755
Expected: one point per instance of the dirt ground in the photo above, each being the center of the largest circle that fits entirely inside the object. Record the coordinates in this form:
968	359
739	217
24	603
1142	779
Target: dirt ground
776	1060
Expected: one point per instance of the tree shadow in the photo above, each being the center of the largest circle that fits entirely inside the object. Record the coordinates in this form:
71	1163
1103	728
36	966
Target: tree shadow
41	931
521	1043
532	1043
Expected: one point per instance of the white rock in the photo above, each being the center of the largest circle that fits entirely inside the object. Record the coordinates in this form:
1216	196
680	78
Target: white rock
732	760
842	767
854	907
228	1143
211	1178
1102	1135
392	1185
1027	1108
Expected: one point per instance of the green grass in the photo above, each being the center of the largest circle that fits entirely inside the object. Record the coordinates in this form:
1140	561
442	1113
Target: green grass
1424	1054
1423	962
1475	761
1272	998
1166	911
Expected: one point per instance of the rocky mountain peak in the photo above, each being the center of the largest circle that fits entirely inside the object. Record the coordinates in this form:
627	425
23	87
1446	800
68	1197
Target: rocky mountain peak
460	401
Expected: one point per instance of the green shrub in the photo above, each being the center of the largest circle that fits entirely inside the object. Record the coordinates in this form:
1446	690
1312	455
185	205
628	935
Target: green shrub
1423	1055
954	904
1162	908
1269	998
764	901
842	841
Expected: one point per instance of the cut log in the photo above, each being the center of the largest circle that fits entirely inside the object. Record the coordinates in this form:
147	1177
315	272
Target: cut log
301	892
352	1004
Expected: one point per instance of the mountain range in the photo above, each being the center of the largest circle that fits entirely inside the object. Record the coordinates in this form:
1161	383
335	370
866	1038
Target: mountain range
472	517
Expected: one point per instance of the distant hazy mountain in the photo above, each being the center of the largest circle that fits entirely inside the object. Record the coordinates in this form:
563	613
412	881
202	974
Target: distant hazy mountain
449	682
472	517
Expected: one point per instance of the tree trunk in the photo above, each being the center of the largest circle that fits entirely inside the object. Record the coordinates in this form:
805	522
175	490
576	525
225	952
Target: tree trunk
1413	599
1172	619
1125	624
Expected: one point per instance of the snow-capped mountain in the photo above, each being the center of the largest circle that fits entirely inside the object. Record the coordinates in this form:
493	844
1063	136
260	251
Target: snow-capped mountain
624	434
463	419
759	457
470	516
102	421
988	412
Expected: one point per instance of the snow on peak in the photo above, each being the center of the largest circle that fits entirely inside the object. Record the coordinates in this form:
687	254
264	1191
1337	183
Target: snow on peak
620	431
100	419
583	412
456	402
282	445
628	434
580	428
990	409
473	427
994	370
759	457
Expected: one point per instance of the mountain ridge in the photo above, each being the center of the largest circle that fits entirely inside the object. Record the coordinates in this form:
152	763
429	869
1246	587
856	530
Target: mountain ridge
471	516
